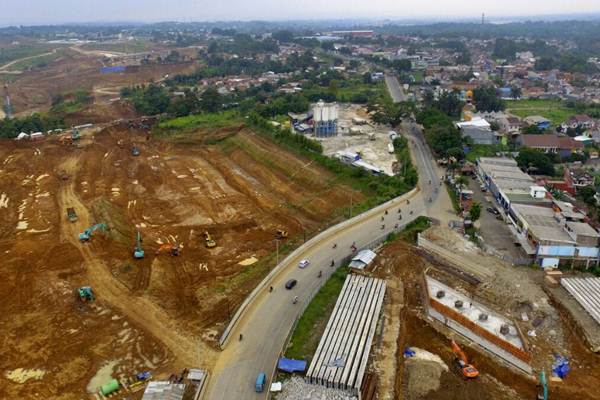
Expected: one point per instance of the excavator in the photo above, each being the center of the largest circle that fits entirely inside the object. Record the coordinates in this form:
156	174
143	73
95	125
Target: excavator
171	248
468	371
210	243
87	234
281	234
542	387
138	252
85	294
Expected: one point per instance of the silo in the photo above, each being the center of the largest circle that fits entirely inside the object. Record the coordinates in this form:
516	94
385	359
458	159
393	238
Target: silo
325	117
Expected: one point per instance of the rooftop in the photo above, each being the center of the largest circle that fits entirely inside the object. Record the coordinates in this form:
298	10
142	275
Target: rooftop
542	223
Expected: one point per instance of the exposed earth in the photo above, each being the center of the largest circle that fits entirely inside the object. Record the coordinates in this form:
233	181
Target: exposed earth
161	313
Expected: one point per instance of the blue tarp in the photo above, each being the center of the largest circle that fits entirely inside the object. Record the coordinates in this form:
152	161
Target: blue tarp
108	70
560	367
289	365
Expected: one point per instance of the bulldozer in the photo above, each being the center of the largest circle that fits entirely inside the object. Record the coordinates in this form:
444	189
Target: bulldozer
281	234
210	243
86	294
468	371
138	252
87	234
171	248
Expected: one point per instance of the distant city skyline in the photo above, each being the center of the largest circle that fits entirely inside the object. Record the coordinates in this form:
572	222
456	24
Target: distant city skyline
30	12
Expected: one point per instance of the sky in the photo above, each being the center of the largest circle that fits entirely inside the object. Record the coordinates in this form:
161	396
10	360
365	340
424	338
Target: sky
29	12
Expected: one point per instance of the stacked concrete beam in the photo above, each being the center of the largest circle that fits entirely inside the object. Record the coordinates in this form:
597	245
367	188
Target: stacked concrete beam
587	293
341	357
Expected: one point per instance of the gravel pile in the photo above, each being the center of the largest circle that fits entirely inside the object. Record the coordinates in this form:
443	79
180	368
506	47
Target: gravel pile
296	389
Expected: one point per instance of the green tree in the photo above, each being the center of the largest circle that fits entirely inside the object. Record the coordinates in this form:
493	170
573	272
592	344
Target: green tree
486	98
475	211
516	92
535	161
210	100
587	194
505	48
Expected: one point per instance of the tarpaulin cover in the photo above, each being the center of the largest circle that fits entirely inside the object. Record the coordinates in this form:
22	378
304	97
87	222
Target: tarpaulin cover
560	367
289	365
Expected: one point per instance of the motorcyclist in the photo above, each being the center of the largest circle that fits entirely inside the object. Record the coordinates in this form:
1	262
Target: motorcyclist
295	299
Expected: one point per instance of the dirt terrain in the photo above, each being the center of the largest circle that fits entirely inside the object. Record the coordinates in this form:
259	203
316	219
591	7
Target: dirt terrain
160	313
33	90
403	265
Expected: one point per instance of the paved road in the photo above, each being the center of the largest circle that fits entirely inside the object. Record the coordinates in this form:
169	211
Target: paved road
268	320
396	91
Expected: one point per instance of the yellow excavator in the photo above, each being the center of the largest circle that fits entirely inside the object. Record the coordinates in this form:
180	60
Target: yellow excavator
210	243
281	234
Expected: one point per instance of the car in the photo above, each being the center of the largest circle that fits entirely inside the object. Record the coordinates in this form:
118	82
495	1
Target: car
289	285
493	210
303	264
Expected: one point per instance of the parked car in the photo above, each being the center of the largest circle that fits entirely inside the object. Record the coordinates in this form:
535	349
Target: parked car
303	264
483	188
290	284
493	210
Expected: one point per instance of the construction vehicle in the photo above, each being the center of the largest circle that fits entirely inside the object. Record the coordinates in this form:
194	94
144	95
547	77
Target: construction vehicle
281	234
65	139
87	234
75	134
210	243
171	248
71	214
468	371
542	387
138	252
135	151
85	294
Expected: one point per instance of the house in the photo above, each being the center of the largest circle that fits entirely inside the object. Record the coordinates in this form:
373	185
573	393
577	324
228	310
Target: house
539	121
564	146
480	135
581	121
512	125
580	178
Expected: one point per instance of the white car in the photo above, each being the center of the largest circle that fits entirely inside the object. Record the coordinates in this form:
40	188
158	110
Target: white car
303	264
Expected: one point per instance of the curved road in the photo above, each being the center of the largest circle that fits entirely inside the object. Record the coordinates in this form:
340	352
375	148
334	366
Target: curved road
268	319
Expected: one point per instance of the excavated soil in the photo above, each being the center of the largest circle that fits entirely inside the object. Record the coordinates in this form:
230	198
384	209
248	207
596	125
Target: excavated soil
160	313
401	262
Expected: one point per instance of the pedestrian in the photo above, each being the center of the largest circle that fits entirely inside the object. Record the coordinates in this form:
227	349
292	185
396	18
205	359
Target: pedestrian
270	289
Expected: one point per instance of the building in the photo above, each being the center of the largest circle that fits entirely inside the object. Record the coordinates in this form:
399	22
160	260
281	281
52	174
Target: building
508	184
550	143
325	119
354	34
539	121
581	121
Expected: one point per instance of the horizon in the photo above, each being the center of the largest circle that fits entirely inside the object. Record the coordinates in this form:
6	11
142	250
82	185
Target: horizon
72	12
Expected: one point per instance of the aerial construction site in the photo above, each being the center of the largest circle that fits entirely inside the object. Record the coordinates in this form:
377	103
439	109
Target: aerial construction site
208	214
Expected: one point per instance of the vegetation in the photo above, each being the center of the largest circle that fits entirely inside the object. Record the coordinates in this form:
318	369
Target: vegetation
475	211
10	128
71	103
15	52
182	125
483	150
313	321
556	111
412	230
486	98
535	161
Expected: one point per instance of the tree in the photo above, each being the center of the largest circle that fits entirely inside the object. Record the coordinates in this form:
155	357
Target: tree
587	194
444	140
532	130
505	48
211	101
389	113
516	92
283	36
486	99
449	104
535	161
475	211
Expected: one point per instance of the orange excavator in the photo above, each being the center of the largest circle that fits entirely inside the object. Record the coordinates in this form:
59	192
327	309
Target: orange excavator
171	248
468	371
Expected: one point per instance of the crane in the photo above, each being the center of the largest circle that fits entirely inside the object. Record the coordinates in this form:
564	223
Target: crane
467	370
138	252
171	248
87	234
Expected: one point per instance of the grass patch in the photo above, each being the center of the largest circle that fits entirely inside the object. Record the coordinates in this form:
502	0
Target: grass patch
313	321
454	199
484	150
12	53
37	62
130	46
191	122
412	230
555	110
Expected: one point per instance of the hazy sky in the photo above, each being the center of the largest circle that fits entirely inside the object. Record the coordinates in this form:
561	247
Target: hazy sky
57	11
